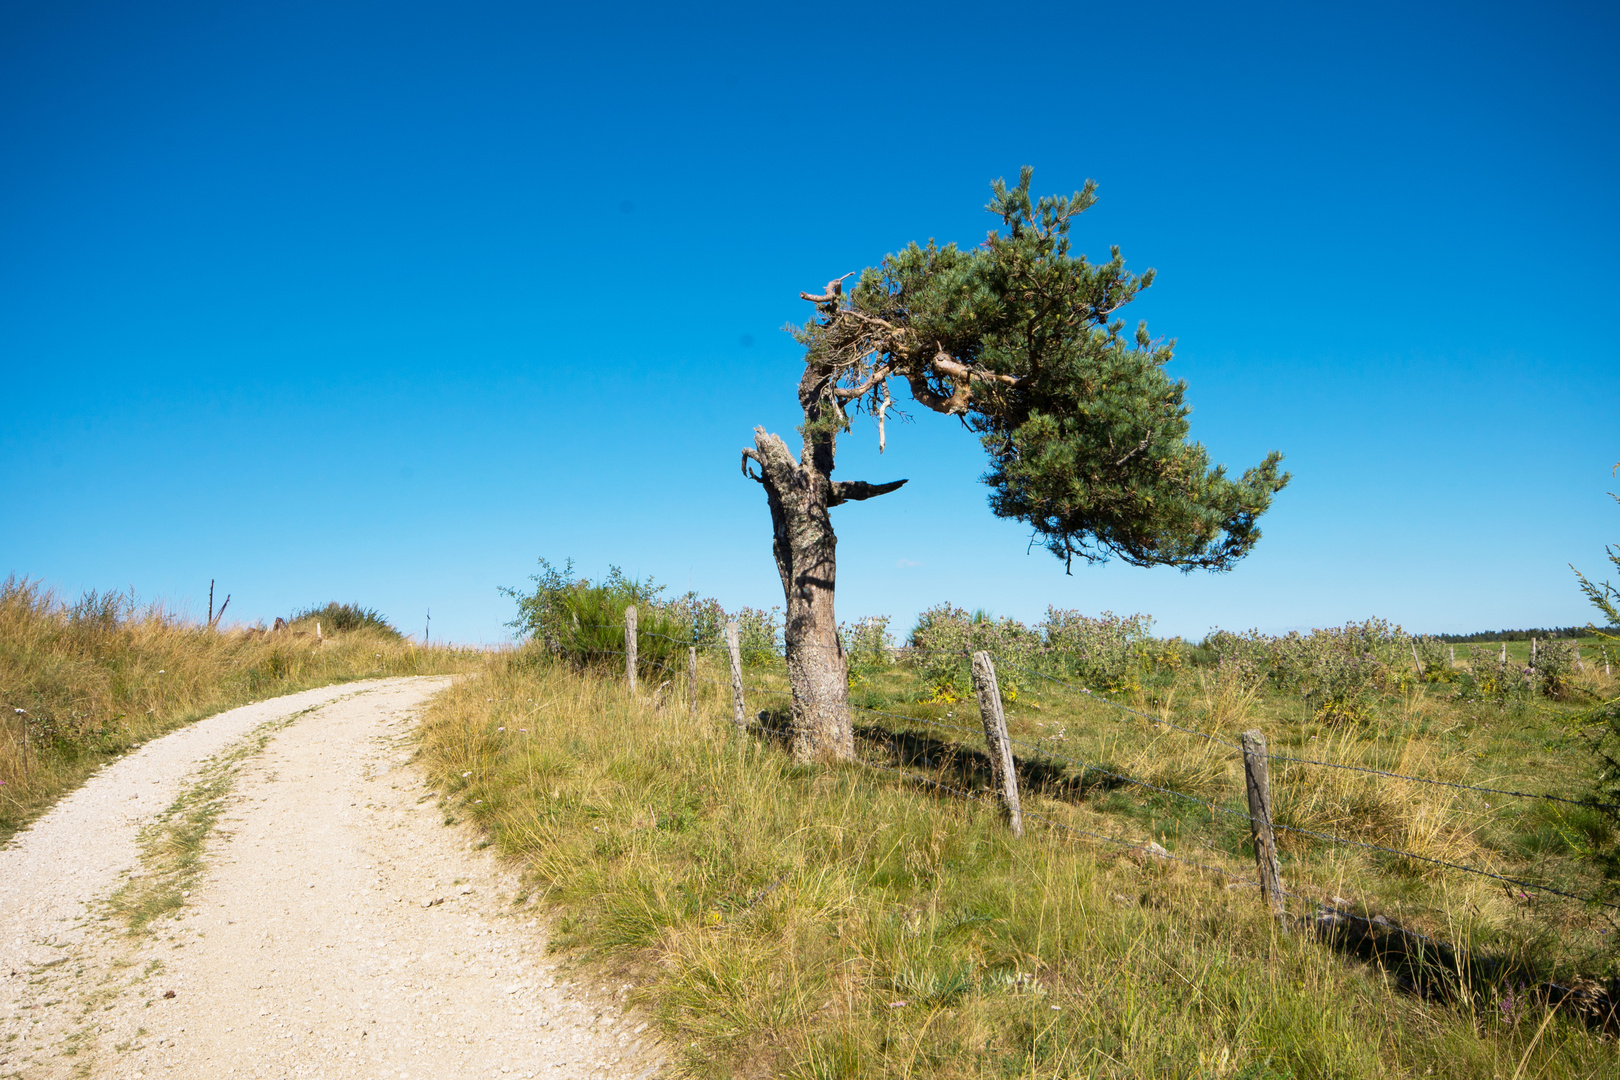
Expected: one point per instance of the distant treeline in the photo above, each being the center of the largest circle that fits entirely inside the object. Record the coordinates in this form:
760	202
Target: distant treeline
1541	633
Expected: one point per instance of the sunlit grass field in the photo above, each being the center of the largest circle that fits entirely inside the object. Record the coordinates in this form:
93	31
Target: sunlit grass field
855	920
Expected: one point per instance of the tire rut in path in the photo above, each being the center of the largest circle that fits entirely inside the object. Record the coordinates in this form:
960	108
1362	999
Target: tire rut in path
338	929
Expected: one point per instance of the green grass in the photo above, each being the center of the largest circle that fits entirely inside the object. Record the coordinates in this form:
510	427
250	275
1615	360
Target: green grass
103	675
842	921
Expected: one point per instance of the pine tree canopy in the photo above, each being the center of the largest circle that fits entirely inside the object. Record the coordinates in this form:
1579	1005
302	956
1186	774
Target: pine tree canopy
1086	434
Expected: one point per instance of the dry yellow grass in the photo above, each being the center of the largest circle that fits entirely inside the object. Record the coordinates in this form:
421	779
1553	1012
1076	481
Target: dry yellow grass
830	922
94	678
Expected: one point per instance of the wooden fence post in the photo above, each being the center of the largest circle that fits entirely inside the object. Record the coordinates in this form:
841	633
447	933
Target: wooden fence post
1002	771
1532	653
738	716
1503	658
1258	781
1416	663
691	676
1606	670
1451	663
630	647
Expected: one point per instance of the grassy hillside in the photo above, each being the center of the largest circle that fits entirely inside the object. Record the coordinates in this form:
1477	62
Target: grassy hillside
864	920
82	683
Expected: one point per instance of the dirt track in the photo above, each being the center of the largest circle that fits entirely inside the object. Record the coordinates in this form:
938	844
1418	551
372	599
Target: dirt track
337	928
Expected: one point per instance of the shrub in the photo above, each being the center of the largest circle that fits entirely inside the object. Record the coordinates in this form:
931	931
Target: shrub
344	618
867	644
583	622
945	638
592	629
1339	671
1109	652
759	636
1492	676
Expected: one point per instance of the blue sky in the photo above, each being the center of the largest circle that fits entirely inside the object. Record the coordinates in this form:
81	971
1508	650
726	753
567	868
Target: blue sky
381	302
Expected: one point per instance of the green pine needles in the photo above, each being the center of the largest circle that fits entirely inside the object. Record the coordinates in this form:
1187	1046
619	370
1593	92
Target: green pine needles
1086	434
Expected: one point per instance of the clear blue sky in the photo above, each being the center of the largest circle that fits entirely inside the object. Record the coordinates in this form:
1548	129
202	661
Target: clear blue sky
380	302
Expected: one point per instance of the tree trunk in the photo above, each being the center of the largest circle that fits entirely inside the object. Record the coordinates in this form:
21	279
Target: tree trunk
800	495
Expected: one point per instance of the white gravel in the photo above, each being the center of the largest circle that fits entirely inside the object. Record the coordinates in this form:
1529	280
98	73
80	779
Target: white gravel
339	929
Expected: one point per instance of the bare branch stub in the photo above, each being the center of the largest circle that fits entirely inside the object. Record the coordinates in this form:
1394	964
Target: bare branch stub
844	491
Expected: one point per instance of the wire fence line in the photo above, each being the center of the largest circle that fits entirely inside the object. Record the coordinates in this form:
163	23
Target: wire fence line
1212	807
1093	695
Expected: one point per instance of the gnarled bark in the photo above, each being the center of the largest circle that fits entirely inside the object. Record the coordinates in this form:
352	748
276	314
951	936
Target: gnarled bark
800	494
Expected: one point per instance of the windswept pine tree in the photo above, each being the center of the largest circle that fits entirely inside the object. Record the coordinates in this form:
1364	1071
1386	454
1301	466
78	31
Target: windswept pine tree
1086	435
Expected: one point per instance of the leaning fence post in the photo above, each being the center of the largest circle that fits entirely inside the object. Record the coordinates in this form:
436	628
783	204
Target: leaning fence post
738	716
1258	781
691	676
1415	661
630	647
1002	772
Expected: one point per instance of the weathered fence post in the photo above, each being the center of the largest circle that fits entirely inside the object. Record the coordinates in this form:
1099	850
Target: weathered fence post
1580	665
630	647
691	677
1258	780
1606	660
1532	652
1416	663
1503	658
1002	772
738	716
1452	662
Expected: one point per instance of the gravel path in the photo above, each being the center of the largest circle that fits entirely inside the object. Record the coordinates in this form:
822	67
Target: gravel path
333	928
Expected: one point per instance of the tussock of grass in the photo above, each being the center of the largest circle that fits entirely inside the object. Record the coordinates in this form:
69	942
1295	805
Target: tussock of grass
821	921
100	676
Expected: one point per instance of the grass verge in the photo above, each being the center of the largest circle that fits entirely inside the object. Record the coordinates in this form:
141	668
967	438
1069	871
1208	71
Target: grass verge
830	922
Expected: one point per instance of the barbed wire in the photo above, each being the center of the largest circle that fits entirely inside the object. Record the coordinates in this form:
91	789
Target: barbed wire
1038	815
1449	865
1323	764
1083	765
1214	808
1445	783
1239	814
1095	696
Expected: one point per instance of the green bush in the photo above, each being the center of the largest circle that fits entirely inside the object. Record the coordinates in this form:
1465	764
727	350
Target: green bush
343	618
1109	652
945	638
759	636
581	621
867	644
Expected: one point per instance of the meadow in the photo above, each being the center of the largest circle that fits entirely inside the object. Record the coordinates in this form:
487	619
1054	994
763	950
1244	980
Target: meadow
83	682
878	918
